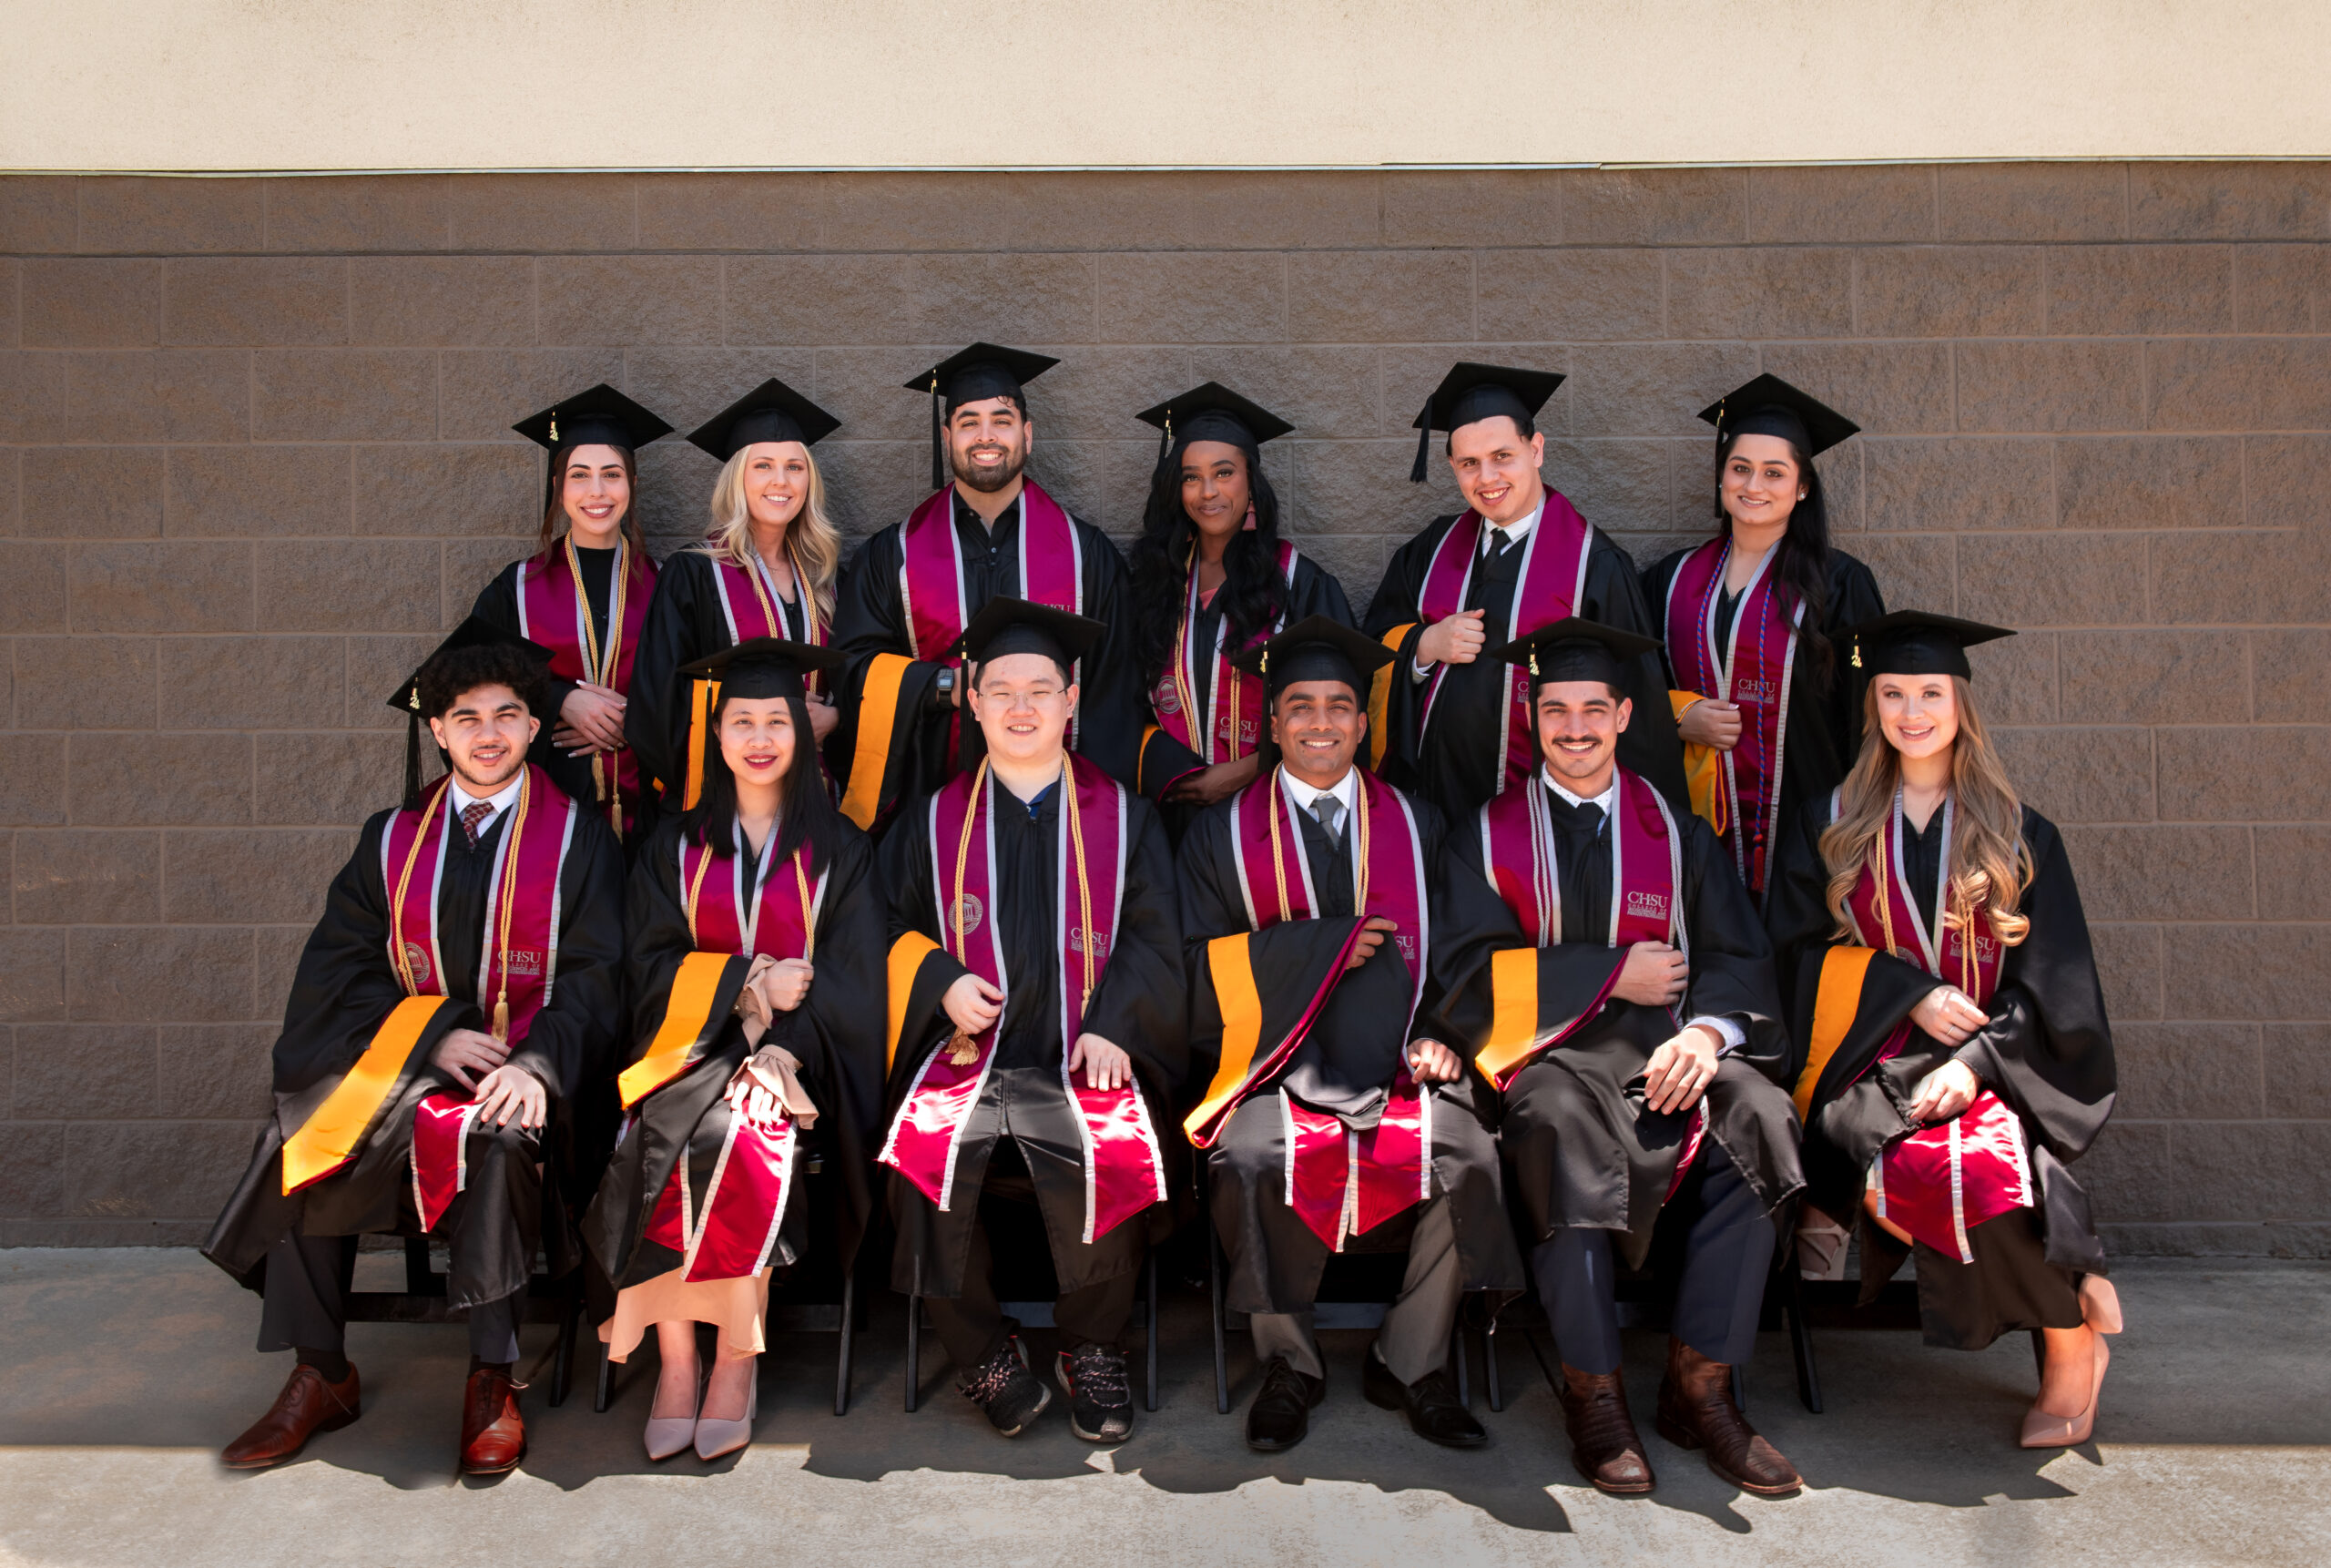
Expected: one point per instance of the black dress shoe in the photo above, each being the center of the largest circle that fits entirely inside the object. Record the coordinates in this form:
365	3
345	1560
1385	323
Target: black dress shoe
1433	1410
1281	1412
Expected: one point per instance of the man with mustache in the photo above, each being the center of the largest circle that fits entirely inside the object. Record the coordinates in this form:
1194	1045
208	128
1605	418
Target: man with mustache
917	584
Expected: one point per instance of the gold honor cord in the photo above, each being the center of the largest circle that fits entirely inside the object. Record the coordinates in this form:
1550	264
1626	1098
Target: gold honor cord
508	896
1083	883
801	878
598	669
404	881
1359	845
960	1052
1184	655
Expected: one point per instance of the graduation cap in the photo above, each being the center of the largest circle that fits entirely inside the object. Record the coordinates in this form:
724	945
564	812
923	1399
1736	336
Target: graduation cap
1212	412
474	632
1575	648
1770	406
1009	625
983	371
600	416
1472	391
1317	647
1916	642
770	411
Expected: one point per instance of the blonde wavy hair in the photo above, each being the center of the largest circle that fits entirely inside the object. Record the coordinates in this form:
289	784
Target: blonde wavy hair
811	539
1990	865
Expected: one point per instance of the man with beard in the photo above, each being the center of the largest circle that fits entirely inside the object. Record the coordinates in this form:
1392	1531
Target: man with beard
917	584
458	998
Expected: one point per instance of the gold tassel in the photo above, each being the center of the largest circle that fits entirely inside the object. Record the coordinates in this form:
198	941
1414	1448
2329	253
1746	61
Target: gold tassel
553	427
1856	652
501	1018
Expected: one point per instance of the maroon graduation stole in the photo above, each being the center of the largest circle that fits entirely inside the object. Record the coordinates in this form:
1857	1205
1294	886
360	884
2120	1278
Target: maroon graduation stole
1519	848
1553	584
1124	1170
931	578
1753	669
1341	1183
751	607
552	610
518	963
1203	700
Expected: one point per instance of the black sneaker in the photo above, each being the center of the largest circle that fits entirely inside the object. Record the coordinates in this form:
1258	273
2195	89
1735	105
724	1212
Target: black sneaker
1011	1395
1100	1398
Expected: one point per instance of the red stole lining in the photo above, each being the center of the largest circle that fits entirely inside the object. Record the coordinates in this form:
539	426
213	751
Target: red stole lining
732	1236
1196	680
1752	769
550	607
1552	585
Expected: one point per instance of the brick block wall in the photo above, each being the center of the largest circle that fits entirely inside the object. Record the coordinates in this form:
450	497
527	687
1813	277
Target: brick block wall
254	457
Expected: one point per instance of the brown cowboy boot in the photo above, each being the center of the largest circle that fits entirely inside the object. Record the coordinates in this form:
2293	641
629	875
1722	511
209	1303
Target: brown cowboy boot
1695	1410
493	1434
308	1405
1602	1441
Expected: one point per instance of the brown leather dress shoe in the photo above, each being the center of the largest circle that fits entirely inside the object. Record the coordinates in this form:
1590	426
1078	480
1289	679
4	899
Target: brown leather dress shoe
1695	1410
1603	1441
308	1405
493	1434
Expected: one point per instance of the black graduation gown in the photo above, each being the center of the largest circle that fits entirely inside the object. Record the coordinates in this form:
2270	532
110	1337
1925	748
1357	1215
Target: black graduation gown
2047	1052
1139	1004
1823	728
343	992
1456	767
869	618
1314	591
1345	1065
684	623
1586	1151
836	1034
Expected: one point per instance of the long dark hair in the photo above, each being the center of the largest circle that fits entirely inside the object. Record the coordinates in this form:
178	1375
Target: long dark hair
554	509
805	812
1253	593
1802	563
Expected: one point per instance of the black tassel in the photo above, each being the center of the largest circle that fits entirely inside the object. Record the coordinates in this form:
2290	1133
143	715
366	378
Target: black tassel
550	483
938	453
1424	444
1164	440
412	759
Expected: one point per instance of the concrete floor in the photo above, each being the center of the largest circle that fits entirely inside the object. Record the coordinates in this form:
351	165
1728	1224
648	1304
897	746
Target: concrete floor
126	1369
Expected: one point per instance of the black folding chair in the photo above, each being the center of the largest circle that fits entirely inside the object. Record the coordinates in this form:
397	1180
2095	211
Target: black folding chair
422	1300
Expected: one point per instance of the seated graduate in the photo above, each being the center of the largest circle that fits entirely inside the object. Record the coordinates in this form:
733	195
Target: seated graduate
1212	577
584	596
767	567
460	994
755	941
1037	1014
1957	1056
915	586
1314	916
1630	1017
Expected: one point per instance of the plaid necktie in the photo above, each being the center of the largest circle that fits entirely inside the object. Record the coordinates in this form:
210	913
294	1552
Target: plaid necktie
473	813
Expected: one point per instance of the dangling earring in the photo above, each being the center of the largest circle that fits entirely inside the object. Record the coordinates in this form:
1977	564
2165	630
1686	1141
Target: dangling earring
1249	526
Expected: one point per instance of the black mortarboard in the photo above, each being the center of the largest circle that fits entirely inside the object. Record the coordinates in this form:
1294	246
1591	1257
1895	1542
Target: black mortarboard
770	411
1009	625
1575	648
982	371
600	416
474	632
1212	412
1317	647
1770	406
1915	642
1472	391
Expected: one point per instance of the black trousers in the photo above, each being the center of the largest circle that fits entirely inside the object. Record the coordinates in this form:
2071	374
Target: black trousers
305	1305
972	1325
1727	1251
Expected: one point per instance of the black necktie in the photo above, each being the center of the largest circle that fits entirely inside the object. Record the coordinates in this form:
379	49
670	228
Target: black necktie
1586	817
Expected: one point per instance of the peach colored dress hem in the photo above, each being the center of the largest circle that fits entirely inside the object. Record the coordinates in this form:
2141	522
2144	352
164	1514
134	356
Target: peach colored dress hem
736	1308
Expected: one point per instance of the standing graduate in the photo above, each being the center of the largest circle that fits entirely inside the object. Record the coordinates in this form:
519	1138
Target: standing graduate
767	568
583	594
1455	724
1211	578
1037	1014
754	952
462	991
916	586
1314	915
1955	1057
1626	1007
1769	713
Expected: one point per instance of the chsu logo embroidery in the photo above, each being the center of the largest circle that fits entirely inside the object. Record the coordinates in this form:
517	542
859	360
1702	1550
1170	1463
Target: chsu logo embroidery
416	959
1750	690
517	961
1408	945
1646	906
1164	698
1096	944
966	914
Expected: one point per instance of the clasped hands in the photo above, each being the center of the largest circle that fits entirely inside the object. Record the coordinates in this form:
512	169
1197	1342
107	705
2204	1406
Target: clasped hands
772	985
481	1064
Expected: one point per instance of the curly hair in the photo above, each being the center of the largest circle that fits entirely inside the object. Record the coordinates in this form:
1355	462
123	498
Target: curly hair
1253	591
449	676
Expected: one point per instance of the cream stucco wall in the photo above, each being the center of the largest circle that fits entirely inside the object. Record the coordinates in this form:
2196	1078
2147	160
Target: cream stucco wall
279	84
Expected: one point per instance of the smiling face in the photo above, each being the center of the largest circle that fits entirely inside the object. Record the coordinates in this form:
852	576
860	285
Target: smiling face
1215	492
1023	703
1497	469
1762	481
595	494
1579	726
1919	713
776	481
989	441
756	742
486	733
1318	726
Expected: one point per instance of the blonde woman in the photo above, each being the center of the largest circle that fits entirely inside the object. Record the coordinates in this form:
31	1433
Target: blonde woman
1955	1057
767	567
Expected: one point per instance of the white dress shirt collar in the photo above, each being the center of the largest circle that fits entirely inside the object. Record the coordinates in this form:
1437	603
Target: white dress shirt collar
1605	799
1494	537
500	800
1346	790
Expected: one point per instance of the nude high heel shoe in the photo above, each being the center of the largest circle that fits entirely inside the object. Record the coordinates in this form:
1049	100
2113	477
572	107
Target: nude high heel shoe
669	1435
2041	1429
714	1438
